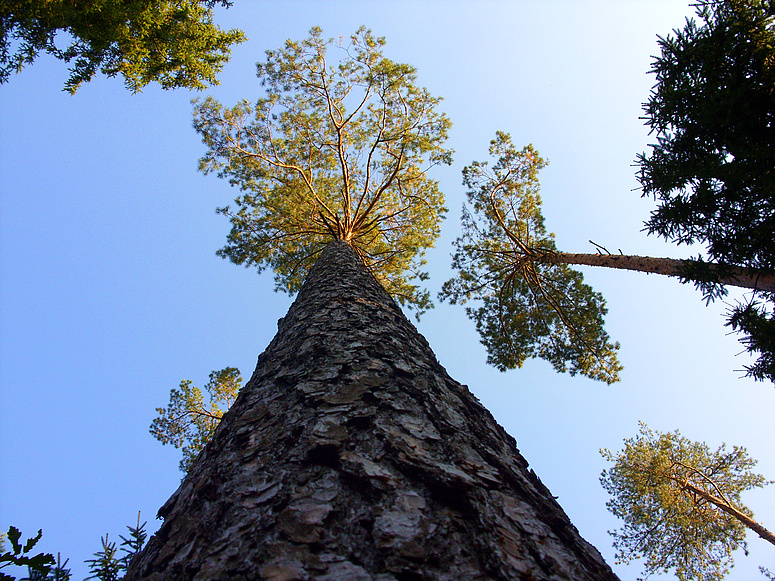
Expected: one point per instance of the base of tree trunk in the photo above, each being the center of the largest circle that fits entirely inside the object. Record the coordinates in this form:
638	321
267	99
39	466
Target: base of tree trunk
351	455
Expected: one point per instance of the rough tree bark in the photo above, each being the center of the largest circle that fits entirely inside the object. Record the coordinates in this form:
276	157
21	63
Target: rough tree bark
351	455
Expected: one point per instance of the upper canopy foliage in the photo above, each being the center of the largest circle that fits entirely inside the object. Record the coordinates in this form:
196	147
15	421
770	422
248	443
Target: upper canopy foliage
711	169
660	485
171	42
336	149
528	306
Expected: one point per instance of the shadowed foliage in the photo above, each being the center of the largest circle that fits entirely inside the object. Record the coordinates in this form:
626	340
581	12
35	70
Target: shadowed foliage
711	168
174	43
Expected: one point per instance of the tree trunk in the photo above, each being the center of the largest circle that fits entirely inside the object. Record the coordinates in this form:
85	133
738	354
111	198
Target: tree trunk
728	275
351	455
729	509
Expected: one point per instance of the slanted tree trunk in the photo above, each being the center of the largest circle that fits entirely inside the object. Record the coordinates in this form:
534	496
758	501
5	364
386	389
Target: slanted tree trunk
728	275
351	455
726	507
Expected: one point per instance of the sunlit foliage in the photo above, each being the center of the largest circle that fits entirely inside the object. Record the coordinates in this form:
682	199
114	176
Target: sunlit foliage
174	43
527	306
190	419
711	168
680	503
338	148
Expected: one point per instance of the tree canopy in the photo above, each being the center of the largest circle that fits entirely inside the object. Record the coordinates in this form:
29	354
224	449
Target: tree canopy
174	43
711	168
338	148
680	503
189	421
528	305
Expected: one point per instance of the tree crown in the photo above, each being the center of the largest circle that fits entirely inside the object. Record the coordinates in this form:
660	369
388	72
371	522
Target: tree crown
335	150
660	485
528	307
711	110
189	420
174	43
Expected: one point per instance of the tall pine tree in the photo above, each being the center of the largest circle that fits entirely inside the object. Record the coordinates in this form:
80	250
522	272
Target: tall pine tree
351	454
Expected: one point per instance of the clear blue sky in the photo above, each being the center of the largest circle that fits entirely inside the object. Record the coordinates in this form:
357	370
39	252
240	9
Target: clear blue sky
111	291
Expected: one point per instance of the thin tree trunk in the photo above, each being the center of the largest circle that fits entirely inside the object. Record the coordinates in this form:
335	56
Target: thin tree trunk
730	510
729	275
351	455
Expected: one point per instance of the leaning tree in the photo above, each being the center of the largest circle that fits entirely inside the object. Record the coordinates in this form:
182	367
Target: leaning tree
680	503
350	454
529	302
710	171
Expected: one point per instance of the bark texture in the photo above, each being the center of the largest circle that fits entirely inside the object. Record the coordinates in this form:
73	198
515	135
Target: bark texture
351	455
